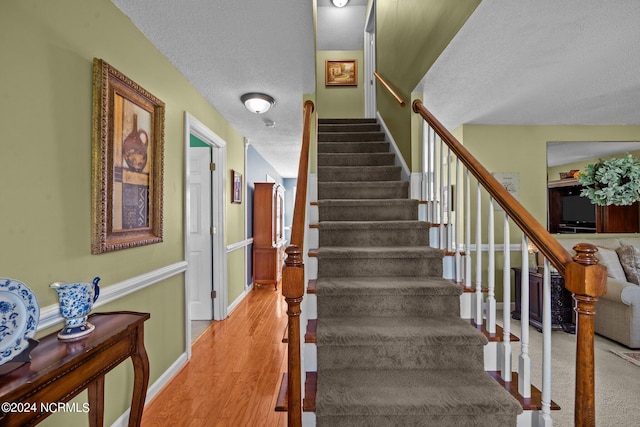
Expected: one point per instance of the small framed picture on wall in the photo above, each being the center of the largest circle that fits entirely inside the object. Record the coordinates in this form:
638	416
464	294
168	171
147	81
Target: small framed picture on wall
342	72
236	187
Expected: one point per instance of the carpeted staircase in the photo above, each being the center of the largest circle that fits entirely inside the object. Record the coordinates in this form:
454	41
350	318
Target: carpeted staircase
392	348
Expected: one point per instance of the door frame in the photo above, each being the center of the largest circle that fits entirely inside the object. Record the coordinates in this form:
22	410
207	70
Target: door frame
193	126
370	101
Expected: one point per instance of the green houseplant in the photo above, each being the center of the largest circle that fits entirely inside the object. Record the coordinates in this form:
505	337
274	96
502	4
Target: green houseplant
612	182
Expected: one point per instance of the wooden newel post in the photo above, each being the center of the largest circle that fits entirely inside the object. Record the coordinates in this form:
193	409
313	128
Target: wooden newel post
587	280
293	291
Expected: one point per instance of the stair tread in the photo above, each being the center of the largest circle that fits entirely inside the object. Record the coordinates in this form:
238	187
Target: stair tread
353	252
368	225
386	286
367	202
412	392
329	120
365	183
452	331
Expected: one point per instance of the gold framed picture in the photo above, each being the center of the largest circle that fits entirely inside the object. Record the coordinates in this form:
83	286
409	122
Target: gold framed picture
342	72
127	162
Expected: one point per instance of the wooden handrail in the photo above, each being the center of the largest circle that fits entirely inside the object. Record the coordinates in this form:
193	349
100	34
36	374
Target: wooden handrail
545	242
299	209
389	89
293	278
584	277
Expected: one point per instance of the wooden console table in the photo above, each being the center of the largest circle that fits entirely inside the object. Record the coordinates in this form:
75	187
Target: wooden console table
561	301
60	370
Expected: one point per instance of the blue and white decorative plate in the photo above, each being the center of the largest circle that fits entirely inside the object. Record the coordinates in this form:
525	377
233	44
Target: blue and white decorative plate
19	316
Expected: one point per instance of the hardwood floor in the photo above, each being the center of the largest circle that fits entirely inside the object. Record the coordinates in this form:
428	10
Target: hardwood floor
234	373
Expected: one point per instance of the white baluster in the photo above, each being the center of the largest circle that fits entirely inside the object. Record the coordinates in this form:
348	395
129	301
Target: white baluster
434	179
467	231
478	296
524	362
441	242
545	416
456	229
491	271
448	202
506	357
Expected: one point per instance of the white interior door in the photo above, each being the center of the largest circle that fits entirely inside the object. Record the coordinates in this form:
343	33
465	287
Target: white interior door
200	260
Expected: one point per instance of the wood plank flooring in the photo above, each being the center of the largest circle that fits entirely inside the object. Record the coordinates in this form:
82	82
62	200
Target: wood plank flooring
234	373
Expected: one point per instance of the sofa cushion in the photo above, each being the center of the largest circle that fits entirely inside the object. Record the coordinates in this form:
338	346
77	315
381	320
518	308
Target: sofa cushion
606	253
630	241
630	260
609	257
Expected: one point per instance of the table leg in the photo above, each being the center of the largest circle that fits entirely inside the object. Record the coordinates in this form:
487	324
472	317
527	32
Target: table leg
96	402
140	378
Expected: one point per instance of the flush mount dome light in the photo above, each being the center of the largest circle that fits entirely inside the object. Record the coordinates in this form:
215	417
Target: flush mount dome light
257	102
339	3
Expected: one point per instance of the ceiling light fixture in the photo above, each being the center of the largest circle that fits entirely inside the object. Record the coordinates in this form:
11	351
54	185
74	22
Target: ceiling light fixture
339	3
257	102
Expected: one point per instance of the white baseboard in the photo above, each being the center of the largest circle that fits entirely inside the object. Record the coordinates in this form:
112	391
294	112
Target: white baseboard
406	173
238	300
155	388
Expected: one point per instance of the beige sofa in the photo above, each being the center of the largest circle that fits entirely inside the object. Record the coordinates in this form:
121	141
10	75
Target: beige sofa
618	311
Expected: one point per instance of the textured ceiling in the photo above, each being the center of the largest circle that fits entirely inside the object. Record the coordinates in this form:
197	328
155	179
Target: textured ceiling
540	62
227	48
513	62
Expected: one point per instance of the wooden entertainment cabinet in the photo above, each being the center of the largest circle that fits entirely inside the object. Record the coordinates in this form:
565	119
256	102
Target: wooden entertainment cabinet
609	219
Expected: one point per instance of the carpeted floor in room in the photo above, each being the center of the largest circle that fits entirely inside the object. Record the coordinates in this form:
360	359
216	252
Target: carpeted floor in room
617	380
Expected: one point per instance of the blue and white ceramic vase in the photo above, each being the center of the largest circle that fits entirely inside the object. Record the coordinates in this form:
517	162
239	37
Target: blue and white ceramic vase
76	301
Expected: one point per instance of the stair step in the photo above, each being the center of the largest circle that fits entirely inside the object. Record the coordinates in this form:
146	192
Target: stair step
353	147
363	190
327	121
367	210
351	136
387	297
310	390
410	397
388	343
374	233
359	173
312	286
348	127
497	336
310	335
379	261
386	286
356	159
533	403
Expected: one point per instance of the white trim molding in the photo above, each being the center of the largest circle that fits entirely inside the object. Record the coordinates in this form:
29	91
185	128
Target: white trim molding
239	245
50	315
406	173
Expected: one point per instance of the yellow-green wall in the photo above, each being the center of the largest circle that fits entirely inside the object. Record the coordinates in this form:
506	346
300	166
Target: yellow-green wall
410	35
45	167
523	150
339	101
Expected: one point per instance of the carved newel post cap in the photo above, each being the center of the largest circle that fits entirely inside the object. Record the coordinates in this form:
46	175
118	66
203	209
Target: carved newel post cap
294	256
585	254
585	275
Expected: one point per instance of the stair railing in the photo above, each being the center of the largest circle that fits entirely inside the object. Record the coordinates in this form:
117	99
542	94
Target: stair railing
293	277
389	89
584	277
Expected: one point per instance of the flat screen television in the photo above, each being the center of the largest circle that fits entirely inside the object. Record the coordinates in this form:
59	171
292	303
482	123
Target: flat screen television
577	210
